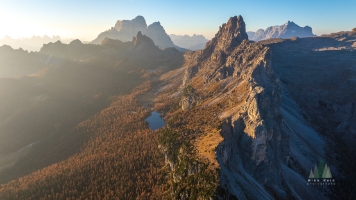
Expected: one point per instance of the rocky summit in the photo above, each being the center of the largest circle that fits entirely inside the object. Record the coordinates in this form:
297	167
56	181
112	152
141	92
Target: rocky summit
228	37
287	30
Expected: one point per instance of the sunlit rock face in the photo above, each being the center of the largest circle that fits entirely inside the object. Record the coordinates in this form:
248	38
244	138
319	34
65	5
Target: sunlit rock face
268	145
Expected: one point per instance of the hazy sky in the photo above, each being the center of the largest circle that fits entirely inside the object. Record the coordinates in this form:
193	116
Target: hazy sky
86	19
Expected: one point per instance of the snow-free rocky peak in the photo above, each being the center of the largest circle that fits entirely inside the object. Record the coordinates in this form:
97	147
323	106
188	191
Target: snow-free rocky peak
230	35
287	30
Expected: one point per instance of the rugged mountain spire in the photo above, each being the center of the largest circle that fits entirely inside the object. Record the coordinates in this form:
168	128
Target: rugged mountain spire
230	35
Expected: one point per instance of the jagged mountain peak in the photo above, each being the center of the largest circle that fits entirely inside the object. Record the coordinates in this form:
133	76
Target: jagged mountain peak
230	35
236	27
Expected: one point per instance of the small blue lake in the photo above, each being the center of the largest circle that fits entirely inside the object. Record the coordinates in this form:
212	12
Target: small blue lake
155	121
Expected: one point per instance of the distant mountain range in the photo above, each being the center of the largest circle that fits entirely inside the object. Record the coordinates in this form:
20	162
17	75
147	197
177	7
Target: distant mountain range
125	30
193	43
31	44
287	30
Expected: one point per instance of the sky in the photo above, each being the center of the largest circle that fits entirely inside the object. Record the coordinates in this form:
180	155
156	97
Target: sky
86	19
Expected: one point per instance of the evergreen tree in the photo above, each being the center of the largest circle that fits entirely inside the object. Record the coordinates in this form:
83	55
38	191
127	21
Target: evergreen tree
328	174
311	175
321	168
316	172
325	171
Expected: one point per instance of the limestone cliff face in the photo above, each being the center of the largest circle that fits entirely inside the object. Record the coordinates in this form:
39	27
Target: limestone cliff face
255	147
280	104
259	133
259	157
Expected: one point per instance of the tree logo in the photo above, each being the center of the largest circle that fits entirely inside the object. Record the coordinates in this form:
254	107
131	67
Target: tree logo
321	175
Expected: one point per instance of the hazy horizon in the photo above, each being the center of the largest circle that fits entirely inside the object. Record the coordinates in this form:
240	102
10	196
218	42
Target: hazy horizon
85	20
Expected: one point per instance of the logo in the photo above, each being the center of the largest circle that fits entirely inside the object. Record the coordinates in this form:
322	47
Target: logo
321	175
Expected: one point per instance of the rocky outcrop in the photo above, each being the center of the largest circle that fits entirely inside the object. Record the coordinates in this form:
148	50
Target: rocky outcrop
287	30
189	98
228	37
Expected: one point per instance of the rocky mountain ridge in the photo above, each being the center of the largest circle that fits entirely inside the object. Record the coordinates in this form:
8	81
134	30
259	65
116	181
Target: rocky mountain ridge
287	30
273	127
125	30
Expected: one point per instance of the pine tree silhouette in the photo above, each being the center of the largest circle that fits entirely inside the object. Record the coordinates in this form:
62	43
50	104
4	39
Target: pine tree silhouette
311	175
321	168
316	172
